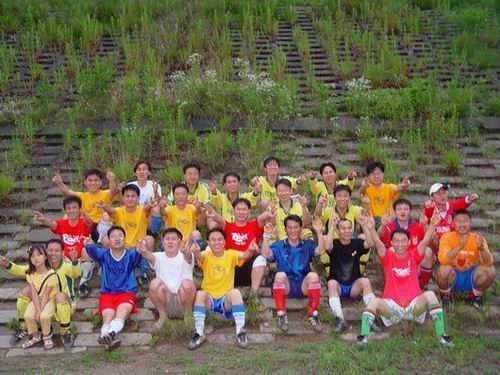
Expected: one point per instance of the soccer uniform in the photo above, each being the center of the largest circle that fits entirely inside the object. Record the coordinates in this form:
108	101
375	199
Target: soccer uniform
382	198
134	223
269	190
319	188
466	261
352	214
344	263
281	215
72	236
90	201
224	206
183	220
446	223
402	288
118	282
147	192
414	228
294	262
200	192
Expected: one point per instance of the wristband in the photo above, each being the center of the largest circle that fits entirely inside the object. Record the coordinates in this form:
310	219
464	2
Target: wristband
266	236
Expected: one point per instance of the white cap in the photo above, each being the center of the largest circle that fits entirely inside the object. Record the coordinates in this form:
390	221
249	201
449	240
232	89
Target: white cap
435	187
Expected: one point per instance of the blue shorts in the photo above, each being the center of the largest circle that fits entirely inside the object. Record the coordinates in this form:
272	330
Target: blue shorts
218	307
464	280
295	291
345	290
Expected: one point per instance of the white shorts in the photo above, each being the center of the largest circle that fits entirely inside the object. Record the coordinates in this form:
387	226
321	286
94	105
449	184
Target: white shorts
402	313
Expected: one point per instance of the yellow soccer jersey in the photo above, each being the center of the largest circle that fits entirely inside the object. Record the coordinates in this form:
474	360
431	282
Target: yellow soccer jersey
381	198
269	191
183	220
43	281
319	187
224	206
201	193
218	272
352	214
135	224
281	214
89	203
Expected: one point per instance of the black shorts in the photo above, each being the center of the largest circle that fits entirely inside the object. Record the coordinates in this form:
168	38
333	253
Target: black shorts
243	274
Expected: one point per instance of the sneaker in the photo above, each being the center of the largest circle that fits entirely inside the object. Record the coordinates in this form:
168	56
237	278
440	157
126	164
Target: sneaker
446	300
196	341
445	340
83	290
17	336
68	340
242	339
104	339
283	322
362	340
315	322
339	325
377	325
477	302
114	341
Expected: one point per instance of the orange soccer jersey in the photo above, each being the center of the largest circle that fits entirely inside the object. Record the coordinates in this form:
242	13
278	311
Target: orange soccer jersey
466	258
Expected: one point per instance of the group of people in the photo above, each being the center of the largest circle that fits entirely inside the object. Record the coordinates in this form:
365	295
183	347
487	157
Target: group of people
129	229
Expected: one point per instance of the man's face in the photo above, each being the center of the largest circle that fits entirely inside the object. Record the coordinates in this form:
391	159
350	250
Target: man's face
93	183
343	199
402	212
72	211
272	168
293	230
376	177
232	184
171	243
192	176
462	224
117	239
130	198
216	241
180	196
283	192
329	175
400	243
440	197
55	253
142	172
241	212
345	230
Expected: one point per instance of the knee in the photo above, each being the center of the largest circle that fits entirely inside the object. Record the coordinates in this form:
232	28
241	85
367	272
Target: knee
188	286
25	292
280	277
444	271
430	296
488	271
259	262
235	295
195	235
45	316
332	284
313	277
61	297
156	285
201	297
365	283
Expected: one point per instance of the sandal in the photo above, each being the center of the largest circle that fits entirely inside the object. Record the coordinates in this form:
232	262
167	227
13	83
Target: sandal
32	341
48	343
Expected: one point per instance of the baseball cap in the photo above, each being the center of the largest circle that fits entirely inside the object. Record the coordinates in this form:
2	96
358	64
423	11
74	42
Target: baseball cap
438	185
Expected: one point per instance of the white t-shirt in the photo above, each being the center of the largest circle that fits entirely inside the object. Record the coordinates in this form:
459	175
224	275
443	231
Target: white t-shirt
173	270
147	192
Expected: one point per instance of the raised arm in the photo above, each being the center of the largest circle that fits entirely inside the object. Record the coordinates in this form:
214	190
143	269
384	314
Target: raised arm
366	227
218	219
39	217
114	188
318	228
376	239
250	252
65	190
142	248
266	247
429	233
195	249
322	201
332	230
403	185
306	216
106	207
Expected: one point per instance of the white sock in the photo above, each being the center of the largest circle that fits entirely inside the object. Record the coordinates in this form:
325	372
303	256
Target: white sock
116	325
367	298
335	306
87	269
477	292
239	317
104	329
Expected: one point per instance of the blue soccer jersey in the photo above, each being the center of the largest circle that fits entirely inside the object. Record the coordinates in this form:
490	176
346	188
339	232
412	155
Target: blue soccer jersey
293	260
117	275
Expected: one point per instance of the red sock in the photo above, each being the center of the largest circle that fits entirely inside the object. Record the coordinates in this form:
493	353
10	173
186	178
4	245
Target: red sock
313	295
279	295
425	276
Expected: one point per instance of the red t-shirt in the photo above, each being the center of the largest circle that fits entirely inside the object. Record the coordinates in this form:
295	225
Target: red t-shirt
446	223
239	238
415	229
401	276
72	236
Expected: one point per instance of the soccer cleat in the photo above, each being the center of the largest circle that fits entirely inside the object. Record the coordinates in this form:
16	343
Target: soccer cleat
196	341
339	325
445	340
362	340
114	342
477	302
17	336
83	290
68	340
104	339
377	325
283	322
242	339
315	322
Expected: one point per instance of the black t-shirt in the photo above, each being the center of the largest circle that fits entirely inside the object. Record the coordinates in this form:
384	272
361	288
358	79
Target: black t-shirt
344	261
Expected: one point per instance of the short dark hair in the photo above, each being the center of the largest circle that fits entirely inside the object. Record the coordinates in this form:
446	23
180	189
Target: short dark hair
402	231
40	249
270	159
142	162
171	230
230	174
328	164
342	220
374	165
295	218
402	201
72	199
131	187
284	181
242	200
114	228
93	172
462	212
54	240
216	229
179	185
192	164
342	188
